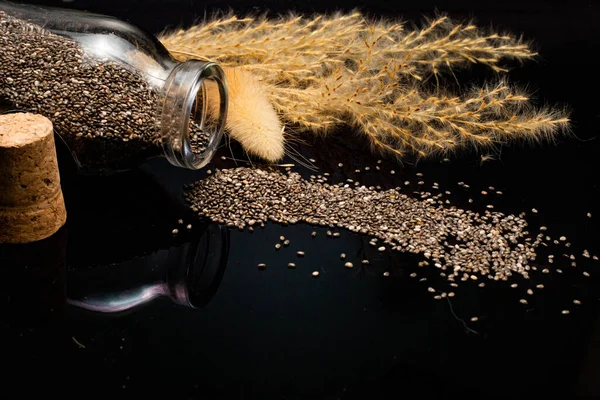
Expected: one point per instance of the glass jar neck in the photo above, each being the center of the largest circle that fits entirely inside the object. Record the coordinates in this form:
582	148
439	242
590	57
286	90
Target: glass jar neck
195	104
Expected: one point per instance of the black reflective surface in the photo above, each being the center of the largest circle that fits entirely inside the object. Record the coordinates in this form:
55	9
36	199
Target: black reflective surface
279	333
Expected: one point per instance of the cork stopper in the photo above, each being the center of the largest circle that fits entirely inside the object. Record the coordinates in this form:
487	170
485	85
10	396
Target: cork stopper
31	201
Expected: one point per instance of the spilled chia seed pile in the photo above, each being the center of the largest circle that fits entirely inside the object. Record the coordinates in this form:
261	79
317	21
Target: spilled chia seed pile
462	245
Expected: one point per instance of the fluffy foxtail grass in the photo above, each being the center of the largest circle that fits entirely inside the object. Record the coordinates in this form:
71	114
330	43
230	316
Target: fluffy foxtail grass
329	70
251	118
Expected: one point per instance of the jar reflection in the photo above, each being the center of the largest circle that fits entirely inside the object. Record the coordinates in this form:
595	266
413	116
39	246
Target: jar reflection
188	273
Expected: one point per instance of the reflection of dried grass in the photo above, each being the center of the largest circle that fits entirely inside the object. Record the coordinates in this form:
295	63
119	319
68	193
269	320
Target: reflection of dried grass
325	71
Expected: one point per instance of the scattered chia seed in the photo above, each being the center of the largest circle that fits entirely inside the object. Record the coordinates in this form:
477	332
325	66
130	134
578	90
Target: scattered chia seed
463	245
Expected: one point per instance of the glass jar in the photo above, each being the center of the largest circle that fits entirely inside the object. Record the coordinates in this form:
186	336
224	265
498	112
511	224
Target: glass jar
115	95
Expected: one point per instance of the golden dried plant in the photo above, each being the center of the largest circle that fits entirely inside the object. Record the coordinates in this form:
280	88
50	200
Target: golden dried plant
328	70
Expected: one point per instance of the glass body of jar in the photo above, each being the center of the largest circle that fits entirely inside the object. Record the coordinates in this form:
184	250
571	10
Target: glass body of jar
115	95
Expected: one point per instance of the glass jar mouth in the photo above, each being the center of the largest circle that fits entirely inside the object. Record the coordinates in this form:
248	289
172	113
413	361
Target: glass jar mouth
193	113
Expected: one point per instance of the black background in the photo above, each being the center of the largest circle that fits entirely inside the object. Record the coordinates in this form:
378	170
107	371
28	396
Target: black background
348	334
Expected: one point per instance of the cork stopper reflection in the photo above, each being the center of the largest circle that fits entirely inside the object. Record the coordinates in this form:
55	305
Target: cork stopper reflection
31	201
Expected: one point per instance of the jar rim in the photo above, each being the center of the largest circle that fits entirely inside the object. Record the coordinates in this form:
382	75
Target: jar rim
184	86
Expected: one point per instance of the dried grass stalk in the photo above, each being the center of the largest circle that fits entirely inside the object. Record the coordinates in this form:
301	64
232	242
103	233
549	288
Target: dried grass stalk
329	70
